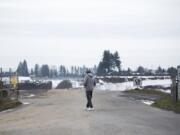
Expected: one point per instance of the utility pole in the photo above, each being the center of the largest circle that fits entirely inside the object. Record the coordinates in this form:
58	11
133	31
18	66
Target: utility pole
175	90
178	82
1	74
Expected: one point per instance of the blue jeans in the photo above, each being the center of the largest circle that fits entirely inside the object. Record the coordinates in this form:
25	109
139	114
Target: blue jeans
89	98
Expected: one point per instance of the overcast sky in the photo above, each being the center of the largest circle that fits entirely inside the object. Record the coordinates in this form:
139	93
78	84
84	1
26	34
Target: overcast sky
76	32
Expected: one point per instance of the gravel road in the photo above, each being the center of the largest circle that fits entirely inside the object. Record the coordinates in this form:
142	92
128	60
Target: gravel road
61	112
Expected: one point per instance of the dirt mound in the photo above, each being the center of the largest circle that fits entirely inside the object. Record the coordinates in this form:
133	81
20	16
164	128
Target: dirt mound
66	84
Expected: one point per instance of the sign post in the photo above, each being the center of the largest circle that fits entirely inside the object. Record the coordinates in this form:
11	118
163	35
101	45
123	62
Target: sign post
178	79
1	82
137	82
0	74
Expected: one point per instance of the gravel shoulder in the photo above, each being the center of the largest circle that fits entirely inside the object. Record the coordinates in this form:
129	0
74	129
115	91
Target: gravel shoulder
61	112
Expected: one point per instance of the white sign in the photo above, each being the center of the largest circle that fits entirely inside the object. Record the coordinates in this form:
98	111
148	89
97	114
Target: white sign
137	82
178	77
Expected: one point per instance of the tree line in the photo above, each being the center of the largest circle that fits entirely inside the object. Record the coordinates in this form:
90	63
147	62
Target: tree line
46	71
110	65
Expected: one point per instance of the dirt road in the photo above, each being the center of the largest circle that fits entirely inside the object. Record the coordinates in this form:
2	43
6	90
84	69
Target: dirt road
61	112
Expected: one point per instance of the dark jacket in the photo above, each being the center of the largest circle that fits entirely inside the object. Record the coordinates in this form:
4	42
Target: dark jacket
89	82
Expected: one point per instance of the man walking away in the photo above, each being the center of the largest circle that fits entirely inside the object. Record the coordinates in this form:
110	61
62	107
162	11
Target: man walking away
89	83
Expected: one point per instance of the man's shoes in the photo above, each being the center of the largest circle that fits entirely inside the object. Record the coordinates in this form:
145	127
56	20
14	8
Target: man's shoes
92	109
89	109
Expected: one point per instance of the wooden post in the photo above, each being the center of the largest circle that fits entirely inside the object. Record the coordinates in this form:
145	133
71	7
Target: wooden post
174	90
1	74
1	82
178	82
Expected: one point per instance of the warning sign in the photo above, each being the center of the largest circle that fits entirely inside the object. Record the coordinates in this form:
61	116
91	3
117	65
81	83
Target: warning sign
14	81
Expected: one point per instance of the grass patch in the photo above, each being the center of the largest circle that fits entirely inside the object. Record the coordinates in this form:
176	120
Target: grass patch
147	91
164	102
167	104
8	104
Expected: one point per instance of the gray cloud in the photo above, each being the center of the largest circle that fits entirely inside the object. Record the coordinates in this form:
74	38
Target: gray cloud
134	28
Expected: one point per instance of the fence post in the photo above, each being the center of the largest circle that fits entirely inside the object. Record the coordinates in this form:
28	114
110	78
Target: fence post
0	74
178	82
174	90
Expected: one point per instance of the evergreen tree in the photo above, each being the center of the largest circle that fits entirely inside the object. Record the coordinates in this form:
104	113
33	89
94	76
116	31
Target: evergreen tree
117	61
62	71
159	71
67	72
107	61
22	69
45	71
101	70
172	72
141	70
25	68
36	70
95	69
32	71
110	62
53	72
72	70
129	71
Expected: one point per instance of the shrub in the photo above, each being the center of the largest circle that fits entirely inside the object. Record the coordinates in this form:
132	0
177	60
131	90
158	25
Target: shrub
66	84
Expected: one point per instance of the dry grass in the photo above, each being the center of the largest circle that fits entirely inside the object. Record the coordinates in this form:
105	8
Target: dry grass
164	102
8	104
